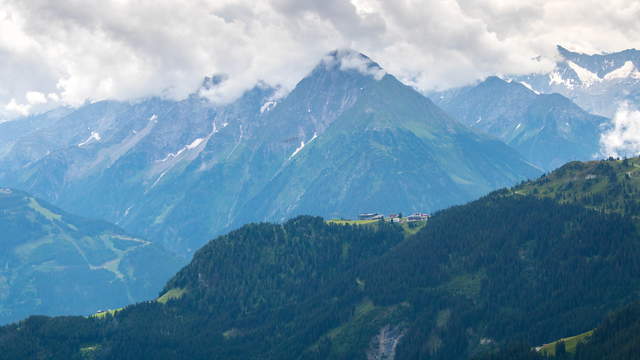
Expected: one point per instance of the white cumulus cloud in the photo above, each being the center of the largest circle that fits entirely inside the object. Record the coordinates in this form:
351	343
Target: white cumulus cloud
36	97
623	139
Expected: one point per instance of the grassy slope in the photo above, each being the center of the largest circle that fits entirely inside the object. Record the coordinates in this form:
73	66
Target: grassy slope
409	228
570	343
609	185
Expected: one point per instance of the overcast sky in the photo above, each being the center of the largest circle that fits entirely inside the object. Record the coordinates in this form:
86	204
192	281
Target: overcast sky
71	51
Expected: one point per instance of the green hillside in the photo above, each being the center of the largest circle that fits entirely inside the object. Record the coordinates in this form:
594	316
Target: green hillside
56	263
612	186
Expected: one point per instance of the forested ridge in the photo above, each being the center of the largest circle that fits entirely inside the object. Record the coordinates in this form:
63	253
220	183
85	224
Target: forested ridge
509	268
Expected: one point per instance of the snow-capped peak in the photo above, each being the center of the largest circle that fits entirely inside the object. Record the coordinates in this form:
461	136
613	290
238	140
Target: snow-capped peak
628	70
587	77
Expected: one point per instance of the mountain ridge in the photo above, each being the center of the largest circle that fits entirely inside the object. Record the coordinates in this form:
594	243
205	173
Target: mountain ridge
57	263
548	129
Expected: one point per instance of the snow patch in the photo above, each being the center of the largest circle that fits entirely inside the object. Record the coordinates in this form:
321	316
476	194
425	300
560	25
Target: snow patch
194	144
556	78
586	77
154	118
518	126
158	179
302	145
268	106
94	136
628	70
528	86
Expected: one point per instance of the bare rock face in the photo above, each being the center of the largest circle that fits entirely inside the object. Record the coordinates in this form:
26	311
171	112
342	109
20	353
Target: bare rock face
383	345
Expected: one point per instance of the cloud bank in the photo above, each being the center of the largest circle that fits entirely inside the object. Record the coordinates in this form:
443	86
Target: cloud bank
623	139
69	52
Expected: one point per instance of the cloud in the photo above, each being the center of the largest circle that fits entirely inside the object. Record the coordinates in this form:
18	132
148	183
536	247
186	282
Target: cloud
125	49
19	109
348	59
35	97
623	139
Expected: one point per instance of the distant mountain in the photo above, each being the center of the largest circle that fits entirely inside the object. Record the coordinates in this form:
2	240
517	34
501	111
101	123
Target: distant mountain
507	267
548	129
598	82
53	263
374	144
349	138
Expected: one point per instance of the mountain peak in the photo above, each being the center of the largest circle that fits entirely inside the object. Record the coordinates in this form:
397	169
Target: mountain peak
498	84
564	52
348	59
494	80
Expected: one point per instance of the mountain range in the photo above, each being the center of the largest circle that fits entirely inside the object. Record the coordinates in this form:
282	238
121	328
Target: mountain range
348	138
596	82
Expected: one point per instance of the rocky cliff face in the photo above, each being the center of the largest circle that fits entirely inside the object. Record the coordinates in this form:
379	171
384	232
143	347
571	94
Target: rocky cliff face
383	345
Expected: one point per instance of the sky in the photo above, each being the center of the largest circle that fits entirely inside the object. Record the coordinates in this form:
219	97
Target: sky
68	52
